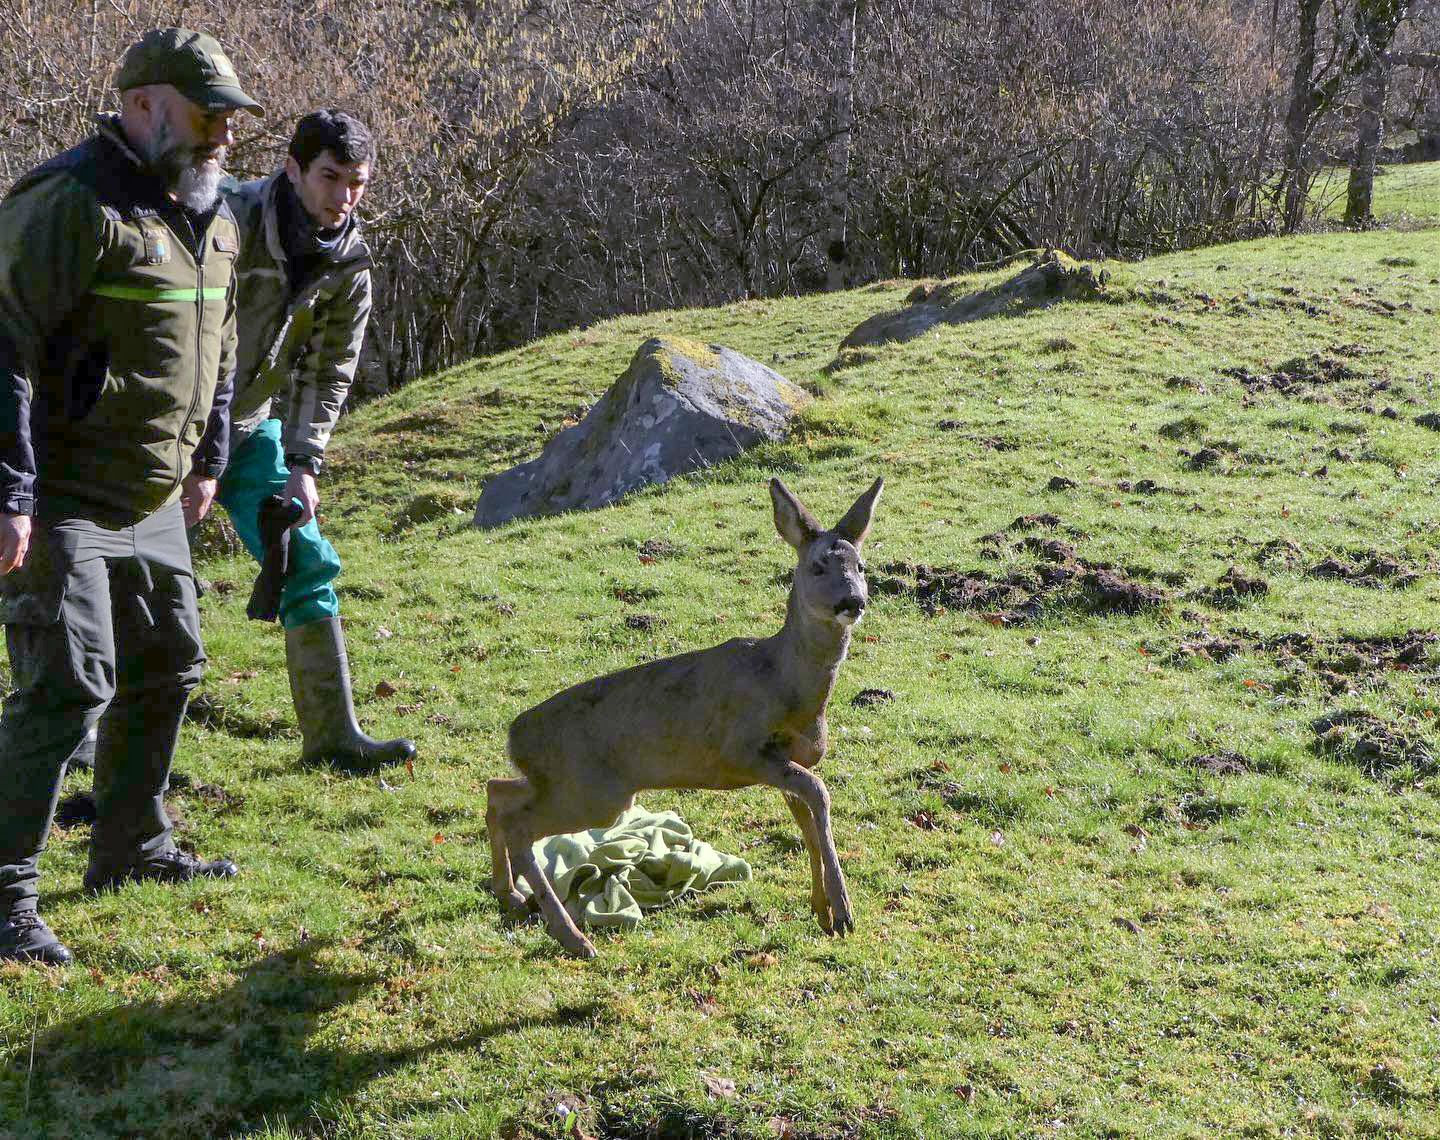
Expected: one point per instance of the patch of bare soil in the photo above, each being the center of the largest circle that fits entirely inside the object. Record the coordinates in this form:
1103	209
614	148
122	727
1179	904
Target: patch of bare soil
1222	763
212	794
987	442
1204	459
1281	554
1341	665
1234	588
1142	487
1059	579
1375	746
1370	569
1331	378
78	808
1297	376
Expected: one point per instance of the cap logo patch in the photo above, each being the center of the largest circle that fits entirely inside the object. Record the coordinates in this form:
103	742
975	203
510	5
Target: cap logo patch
223	67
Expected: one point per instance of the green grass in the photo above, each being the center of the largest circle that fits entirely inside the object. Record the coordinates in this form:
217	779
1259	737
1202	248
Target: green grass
1405	193
1091	938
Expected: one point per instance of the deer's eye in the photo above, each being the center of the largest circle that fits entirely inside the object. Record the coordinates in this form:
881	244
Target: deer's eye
862	567
817	568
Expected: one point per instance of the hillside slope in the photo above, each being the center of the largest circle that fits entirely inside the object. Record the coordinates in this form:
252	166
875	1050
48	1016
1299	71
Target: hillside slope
1111	876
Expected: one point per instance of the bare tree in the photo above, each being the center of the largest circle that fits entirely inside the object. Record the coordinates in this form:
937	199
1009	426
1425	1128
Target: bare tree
1375	25
1316	78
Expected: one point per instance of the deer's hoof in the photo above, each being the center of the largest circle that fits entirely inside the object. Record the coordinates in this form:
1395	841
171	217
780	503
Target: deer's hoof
584	949
513	902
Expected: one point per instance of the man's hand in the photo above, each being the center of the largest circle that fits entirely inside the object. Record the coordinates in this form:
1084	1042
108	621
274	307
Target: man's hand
14	541
301	486
197	492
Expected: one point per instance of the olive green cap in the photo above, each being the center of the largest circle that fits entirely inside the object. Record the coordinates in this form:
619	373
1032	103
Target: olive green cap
191	62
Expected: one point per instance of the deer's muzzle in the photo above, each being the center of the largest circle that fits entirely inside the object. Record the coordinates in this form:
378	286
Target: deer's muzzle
850	608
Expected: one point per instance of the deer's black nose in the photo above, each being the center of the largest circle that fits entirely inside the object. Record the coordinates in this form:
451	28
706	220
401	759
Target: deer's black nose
850	606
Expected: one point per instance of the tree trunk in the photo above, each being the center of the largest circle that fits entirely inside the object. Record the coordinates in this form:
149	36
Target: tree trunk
842	100
1370	133
1303	100
1376	22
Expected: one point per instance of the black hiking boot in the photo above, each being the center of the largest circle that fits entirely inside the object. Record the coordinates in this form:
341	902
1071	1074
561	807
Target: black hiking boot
173	866
26	938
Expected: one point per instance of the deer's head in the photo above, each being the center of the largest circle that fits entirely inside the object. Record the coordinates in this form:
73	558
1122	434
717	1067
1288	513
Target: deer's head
829	574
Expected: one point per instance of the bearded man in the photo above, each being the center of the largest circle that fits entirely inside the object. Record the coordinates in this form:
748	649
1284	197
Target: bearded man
117	357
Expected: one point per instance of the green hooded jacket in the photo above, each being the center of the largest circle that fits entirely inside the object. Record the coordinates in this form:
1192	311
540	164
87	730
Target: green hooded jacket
117	337
301	343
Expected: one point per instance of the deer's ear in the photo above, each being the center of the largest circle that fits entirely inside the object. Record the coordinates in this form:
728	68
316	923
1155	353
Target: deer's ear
856	523
796	525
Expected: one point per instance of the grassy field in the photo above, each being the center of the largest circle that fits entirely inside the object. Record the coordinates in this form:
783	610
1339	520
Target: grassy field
1405	193
1111	876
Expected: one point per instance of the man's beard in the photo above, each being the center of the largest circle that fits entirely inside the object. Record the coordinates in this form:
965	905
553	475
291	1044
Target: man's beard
194	182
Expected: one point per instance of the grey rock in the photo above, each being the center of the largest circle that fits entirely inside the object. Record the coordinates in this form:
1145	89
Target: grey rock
1051	278
679	406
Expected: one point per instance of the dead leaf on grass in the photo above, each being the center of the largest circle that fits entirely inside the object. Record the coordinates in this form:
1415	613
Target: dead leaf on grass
718	1086
385	689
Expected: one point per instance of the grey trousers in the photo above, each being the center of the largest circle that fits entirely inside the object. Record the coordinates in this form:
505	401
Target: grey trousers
102	629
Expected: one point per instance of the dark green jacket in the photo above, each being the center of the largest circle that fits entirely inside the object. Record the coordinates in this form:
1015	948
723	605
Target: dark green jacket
117	337
301	339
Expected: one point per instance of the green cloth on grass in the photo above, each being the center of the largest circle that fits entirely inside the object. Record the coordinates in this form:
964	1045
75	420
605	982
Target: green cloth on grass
645	859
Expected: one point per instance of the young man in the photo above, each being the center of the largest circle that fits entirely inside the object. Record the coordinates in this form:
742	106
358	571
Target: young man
117	350
304	299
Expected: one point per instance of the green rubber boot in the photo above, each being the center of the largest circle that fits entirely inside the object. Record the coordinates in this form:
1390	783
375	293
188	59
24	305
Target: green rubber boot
320	686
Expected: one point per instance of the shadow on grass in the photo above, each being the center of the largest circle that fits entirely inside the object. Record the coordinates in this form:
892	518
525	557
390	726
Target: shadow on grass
229	1062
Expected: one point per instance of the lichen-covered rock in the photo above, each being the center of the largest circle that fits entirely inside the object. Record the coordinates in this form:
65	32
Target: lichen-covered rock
680	405
1052	277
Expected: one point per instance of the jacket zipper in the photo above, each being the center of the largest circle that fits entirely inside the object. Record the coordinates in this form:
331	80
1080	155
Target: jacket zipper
200	243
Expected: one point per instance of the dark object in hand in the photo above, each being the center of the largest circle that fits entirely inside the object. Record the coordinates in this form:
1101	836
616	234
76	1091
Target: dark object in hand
277	516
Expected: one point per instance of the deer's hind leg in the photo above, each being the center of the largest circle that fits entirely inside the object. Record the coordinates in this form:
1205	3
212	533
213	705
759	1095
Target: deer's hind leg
531	812
502	881
803	785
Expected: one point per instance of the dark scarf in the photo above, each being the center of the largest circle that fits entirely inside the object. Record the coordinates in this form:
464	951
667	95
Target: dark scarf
307	246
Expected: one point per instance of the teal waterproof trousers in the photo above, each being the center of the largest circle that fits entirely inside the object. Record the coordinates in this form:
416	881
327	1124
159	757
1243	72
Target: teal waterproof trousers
257	470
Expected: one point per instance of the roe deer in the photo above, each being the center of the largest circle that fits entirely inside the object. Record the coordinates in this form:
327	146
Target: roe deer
745	712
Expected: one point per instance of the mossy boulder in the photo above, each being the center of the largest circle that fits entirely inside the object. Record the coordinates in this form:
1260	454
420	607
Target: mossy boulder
680	405
1052	277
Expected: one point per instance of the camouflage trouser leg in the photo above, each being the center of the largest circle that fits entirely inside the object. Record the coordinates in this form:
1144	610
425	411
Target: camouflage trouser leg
102	627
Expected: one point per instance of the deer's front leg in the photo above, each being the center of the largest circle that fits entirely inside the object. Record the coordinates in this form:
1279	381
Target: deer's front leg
819	902
794	780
